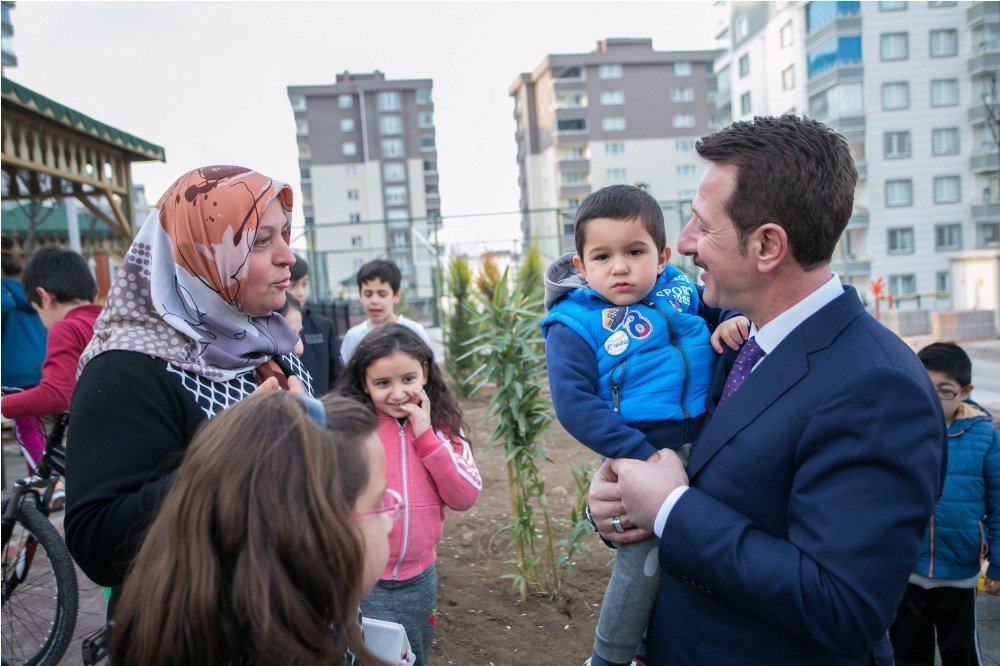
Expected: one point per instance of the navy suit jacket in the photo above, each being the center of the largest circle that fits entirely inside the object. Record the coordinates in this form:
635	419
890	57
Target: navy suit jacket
810	492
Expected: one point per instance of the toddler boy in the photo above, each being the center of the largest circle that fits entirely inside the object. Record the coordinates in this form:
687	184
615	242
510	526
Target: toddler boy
630	359
378	286
320	347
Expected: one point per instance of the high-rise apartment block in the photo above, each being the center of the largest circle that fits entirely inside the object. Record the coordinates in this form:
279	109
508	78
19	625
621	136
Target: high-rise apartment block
912	86
623	113
369	178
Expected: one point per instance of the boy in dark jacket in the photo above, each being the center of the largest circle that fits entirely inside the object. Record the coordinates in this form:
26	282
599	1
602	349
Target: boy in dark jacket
941	595
321	347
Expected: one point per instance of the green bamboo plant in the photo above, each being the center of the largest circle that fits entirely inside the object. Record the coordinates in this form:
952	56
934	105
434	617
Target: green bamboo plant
514	367
460	329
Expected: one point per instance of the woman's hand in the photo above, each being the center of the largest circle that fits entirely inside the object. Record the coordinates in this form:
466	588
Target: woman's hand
419	409
271	384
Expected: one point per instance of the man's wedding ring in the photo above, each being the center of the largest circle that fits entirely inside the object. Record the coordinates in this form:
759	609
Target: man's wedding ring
616	522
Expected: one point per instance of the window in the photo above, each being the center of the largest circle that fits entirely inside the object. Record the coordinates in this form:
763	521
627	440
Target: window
897	145
613	124
745	103
610	71
710	96
895	95
351	171
425	119
614	149
684	94
305	152
390	125
820	13
944	92
894	46
901	241
744	64
431	189
682	69
393	172
354	218
304	173
788	78
298	101
345	101
423	95
570	100
685	145
941	3
349	148
944	141
902	284
683	120
571	125
897	6
428	143
358	263
573	153
575	178
392	148
786	35
742	26
988	234
396	215
686	195
846	99
898	193
399	239
686	170
942	281
948	237
944	43
395	195
834	52
301	126
347	124
355	241
617	175
947	189
568	73
352	194
430	166
612	97
388	100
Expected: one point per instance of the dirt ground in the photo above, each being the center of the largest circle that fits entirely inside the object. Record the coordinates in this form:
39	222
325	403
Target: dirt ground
481	619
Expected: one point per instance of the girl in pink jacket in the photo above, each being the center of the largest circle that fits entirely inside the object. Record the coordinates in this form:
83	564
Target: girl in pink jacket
428	461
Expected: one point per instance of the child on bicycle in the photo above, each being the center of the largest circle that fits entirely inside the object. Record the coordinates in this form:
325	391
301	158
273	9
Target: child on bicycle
61	289
268	562
428	462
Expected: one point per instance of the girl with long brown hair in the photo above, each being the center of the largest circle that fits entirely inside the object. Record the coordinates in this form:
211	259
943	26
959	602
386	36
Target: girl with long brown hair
274	527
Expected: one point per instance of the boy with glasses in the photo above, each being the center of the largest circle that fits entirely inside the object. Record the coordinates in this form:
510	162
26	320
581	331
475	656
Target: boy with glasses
941	595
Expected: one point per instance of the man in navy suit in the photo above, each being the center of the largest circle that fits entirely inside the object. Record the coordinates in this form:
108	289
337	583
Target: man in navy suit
790	536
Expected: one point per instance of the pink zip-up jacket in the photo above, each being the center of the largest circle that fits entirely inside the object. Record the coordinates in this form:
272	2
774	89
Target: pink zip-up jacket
430	472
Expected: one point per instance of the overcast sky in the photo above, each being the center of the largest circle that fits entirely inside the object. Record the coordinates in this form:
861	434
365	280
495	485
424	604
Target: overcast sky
207	80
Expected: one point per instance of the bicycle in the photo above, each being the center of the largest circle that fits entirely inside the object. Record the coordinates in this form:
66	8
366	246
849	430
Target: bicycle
40	596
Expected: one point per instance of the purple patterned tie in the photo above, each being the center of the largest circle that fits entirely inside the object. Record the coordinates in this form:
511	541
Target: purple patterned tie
749	354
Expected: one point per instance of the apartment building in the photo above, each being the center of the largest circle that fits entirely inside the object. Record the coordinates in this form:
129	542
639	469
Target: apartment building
623	113
912	86
369	175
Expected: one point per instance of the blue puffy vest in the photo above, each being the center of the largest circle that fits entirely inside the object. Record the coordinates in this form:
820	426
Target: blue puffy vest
654	358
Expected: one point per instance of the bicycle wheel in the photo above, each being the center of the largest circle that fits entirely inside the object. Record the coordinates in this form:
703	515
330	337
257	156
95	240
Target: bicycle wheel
39	591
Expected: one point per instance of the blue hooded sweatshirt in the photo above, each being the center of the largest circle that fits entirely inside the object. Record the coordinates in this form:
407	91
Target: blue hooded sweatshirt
24	338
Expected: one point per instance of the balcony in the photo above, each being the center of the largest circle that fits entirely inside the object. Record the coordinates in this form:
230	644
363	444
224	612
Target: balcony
862	168
983	62
574	164
840	72
841	25
980	12
988	212
984	162
574	191
851	268
859	220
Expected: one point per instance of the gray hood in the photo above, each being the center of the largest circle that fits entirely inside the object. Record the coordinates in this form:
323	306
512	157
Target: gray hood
561	277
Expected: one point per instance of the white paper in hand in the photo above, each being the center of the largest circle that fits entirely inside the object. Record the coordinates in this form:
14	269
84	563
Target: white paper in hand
388	641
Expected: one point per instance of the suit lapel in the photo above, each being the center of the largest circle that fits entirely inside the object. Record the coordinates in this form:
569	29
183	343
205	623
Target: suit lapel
776	374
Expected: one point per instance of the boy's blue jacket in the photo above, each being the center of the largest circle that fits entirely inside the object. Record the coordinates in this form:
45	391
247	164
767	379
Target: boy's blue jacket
966	520
24	338
650	362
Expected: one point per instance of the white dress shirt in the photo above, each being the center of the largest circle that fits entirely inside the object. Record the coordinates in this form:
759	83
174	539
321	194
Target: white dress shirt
768	337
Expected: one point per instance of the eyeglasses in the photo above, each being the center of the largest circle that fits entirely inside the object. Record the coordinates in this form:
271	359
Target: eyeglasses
392	506
946	394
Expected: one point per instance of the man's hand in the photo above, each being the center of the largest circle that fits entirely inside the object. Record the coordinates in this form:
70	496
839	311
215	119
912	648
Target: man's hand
643	486
605	503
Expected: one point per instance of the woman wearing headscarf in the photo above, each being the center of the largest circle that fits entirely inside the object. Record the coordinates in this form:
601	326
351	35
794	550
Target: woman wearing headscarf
187	329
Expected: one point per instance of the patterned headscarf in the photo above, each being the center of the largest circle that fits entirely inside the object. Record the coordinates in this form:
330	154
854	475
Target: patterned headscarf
178	295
